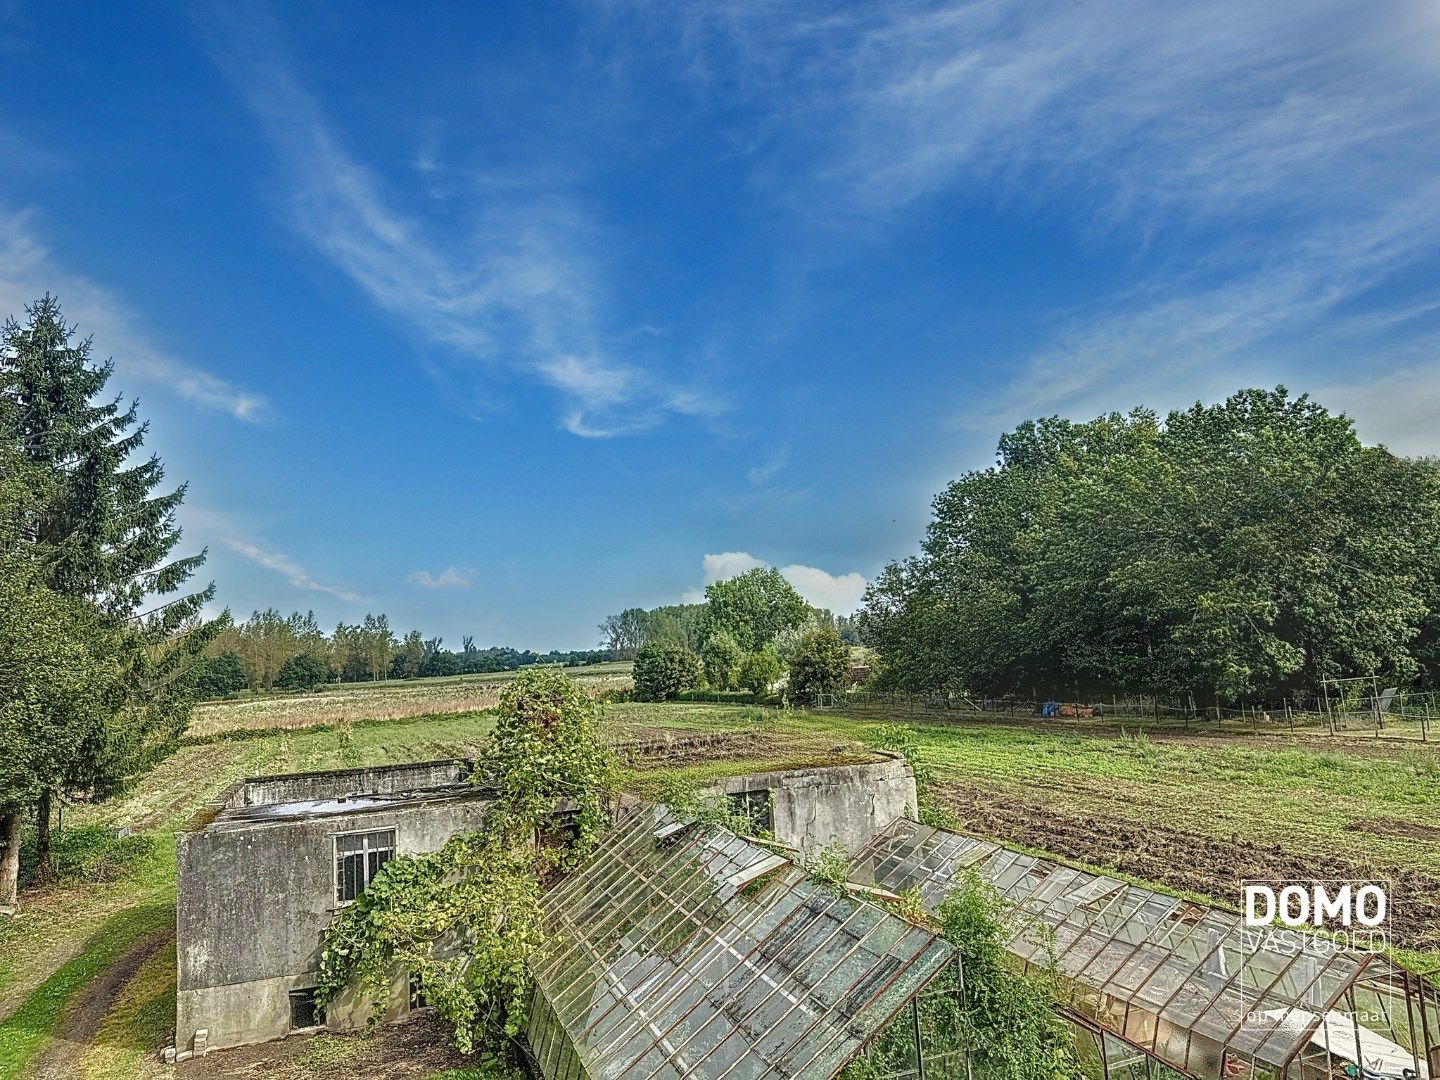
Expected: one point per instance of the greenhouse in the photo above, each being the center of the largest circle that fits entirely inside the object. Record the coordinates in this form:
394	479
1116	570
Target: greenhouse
683	950
1157	986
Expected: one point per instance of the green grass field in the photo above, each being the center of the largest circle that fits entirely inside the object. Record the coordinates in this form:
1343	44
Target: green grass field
392	700
1192	814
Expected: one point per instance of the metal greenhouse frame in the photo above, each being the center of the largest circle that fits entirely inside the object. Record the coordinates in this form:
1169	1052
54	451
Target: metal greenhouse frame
683	950
1164	986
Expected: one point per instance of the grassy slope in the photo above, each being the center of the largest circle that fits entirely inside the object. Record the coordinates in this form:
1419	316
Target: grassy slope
1305	796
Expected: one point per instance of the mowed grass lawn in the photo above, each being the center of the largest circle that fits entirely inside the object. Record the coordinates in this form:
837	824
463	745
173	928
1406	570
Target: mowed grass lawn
1306	798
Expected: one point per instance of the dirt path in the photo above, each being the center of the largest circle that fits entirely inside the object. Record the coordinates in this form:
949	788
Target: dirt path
71	1037
409	1050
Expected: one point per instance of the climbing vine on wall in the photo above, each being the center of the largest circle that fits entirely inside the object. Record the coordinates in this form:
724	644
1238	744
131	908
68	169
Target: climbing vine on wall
465	920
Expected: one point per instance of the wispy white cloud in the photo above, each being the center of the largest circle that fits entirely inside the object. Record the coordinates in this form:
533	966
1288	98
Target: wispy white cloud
1284	317
840	593
515	292
216	527
1270	166
28	270
287	568
1213	107
766	470
452	577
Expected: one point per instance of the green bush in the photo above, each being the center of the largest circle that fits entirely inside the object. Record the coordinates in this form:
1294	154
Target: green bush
86	853
303	672
820	665
219	677
722	656
663	670
760	670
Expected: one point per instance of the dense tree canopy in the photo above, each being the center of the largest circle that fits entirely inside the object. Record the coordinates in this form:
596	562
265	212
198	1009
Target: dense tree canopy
755	608
760	670
59	675
220	676
304	671
266	642
722	656
1233	550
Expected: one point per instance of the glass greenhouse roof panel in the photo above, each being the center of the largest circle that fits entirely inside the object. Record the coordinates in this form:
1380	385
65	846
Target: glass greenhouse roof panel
1124	950
692	952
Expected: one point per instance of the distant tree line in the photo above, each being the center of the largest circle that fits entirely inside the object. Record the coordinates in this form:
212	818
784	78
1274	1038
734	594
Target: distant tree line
750	632
1241	550
291	652
623	635
98	635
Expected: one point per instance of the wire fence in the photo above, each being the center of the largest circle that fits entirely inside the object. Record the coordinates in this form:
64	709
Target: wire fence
1409	717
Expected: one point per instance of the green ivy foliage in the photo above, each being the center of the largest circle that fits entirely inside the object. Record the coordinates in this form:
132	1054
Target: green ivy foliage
465	920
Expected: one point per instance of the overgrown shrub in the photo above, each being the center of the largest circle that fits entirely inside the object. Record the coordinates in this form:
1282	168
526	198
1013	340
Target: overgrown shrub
662	670
465	920
1014	1031
820	664
1004	1018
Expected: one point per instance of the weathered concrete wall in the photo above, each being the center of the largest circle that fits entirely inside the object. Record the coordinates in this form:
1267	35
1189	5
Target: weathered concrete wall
253	903
844	803
255	895
385	779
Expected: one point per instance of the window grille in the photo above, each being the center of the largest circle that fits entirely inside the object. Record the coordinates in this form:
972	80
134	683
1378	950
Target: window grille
358	858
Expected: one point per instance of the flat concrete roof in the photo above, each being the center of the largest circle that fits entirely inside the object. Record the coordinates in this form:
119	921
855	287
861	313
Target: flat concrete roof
242	817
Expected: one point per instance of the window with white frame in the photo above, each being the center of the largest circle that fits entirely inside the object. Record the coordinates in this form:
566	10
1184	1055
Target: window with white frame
358	858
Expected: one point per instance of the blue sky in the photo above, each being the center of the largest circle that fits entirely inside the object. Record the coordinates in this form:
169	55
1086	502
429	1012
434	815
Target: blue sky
499	318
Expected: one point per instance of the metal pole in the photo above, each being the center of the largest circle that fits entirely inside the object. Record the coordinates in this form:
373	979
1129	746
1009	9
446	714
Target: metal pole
919	1052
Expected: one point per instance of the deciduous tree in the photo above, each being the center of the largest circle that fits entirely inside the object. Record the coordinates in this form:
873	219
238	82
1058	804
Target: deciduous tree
755	608
663	670
820	665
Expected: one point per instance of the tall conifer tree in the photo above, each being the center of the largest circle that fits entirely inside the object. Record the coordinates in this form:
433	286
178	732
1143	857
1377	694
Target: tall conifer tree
103	532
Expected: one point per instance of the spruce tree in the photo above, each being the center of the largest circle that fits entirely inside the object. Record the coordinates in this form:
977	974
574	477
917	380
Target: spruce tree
103	532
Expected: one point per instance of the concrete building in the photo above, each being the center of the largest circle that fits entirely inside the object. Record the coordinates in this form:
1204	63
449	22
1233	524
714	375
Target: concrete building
262	878
263	874
811	808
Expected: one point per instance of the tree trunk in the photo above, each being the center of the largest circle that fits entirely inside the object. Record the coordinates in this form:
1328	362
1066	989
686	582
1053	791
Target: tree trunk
10	859
44	865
